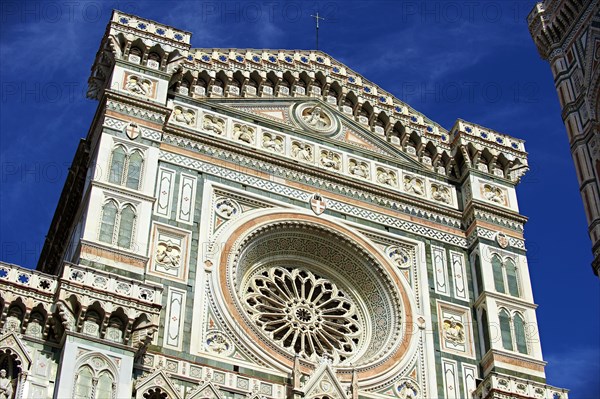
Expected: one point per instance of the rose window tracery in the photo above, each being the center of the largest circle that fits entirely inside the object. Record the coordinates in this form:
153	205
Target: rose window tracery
304	312
298	288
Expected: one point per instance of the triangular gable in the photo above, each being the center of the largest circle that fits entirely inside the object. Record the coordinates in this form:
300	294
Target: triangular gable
205	391
350	132
324	382
157	379
17	347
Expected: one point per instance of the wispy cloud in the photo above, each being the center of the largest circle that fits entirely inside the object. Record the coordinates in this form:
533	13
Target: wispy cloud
577	369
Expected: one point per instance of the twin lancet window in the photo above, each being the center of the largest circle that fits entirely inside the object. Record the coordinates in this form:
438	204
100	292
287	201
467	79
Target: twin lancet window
118	220
91	386
117	224
505	275
126	167
512	329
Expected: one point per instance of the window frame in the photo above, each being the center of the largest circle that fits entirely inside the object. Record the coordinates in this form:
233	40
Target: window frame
516	346
507	287
125	167
116	231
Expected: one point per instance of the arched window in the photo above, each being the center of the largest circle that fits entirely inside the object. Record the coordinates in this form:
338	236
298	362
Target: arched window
126	226
498	275
84	383
117	225
97	382
104	389
109	218
505	330
117	165
519	326
134	170
511	277
505	275
126	167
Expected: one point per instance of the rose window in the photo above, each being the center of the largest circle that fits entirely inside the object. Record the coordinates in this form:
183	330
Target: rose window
303	313
298	288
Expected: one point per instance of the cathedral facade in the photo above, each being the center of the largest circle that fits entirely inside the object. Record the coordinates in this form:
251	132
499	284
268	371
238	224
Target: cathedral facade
567	35
270	224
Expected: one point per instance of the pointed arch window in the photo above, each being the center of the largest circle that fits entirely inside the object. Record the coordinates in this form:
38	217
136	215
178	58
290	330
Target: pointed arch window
505	330
506	276
104	389
84	383
126	226
96	382
512	328
498	275
520	339
126	167
109	220
117	226
511	277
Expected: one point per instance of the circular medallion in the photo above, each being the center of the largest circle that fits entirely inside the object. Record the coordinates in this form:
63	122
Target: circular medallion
315	117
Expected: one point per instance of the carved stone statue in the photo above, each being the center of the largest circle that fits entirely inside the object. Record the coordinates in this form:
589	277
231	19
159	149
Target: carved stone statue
6	389
296	373
315	118
354	384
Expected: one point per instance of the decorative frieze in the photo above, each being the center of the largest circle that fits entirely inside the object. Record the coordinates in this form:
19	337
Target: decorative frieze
327	158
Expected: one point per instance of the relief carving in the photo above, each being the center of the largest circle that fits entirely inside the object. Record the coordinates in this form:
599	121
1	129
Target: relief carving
272	142
213	124
168	254
358	168
494	194
227	208
330	160
243	133
454	331
316	118
386	177
441	193
185	116
302	151
413	184
138	85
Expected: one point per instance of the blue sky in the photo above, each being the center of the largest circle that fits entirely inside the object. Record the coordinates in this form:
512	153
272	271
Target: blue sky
448	59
